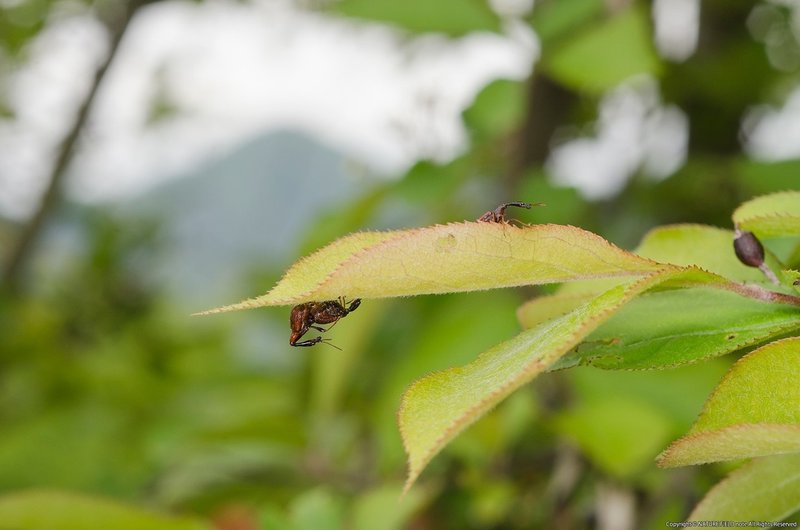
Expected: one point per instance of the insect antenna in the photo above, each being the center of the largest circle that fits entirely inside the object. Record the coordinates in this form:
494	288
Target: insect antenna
329	343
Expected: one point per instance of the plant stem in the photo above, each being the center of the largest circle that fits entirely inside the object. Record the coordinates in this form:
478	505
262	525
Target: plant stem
765	295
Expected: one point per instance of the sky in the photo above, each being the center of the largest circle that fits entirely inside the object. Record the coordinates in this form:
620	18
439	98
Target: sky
229	71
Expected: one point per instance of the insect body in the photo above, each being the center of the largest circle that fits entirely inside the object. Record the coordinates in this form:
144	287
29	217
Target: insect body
304	316
498	215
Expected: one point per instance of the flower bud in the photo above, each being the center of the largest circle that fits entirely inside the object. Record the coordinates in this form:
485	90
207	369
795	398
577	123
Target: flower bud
748	249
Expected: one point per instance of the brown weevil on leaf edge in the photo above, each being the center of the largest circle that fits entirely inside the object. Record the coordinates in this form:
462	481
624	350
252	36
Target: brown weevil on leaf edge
498	215
304	316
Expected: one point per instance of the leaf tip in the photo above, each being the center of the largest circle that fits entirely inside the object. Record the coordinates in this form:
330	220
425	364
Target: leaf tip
410	480
663	459
250	303
416	461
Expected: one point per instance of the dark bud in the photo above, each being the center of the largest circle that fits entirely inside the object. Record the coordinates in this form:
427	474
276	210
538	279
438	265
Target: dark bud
748	249
796	282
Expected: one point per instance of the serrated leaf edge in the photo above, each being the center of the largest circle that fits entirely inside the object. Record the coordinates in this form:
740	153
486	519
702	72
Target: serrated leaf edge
731	476
255	302
460	423
736	347
666	458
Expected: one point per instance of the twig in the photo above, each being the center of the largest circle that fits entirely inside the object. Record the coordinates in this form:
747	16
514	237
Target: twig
21	250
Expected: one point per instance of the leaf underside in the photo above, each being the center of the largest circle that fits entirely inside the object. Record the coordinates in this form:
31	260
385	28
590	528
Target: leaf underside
766	489
773	215
438	407
672	328
755	411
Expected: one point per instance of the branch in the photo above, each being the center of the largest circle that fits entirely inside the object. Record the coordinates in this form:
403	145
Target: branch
548	107
26	241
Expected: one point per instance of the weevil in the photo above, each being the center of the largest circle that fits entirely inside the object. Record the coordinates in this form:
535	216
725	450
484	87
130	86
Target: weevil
304	316
498	215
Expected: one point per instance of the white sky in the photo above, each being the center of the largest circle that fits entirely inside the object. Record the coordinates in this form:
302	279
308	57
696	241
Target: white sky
235	70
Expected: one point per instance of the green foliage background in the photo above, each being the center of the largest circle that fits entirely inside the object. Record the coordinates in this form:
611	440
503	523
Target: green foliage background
110	393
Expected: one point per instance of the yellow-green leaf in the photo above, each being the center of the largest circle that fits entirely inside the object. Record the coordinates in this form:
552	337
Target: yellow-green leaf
672	328
452	17
774	215
449	258
744	440
558	20
792	277
606	54
380	509
54	510
544	308
620	435
755	411
766	489
438	407
707	247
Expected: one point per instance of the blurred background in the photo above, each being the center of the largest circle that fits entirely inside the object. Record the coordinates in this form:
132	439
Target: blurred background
161	158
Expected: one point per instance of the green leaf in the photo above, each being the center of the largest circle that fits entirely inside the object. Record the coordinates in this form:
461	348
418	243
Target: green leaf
620	435
605	55
88	434
497	109
772	215
449	258
753	412
707	247
766	489
544	308
316	510
438	407
455	329
271	517
792	277
452	17
54	510
703	246
672	328
557	20
677	394
380	509
793	257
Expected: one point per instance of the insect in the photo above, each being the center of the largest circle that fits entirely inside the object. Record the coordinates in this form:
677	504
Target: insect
304	316
498	215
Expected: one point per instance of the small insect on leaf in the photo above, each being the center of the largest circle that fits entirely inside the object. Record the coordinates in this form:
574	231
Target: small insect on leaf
304	317
498	215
